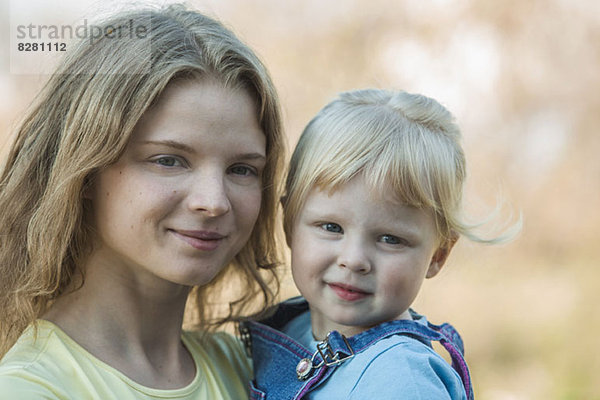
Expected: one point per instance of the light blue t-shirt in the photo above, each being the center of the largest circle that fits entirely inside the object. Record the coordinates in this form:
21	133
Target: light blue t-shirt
397	367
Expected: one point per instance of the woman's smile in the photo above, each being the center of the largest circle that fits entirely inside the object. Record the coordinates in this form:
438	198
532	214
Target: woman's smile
183	199
201	240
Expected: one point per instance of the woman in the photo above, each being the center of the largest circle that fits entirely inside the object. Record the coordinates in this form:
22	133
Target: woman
143	178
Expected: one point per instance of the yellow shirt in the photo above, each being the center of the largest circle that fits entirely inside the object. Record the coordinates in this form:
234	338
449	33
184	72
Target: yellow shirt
55	367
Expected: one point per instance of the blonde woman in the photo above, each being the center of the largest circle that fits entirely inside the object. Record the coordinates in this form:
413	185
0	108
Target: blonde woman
143	178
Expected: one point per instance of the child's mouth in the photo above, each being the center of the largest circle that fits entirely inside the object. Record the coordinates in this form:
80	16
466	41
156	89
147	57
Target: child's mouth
347	292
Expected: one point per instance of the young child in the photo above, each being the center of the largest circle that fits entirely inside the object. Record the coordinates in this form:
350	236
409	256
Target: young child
372	207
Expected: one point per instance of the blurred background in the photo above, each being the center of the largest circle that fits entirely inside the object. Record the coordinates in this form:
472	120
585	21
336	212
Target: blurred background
523	80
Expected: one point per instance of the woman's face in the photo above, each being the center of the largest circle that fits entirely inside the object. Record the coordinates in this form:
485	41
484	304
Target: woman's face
183	199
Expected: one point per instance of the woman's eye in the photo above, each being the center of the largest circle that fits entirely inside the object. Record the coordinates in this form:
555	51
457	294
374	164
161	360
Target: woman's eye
332	227
167	161
243	170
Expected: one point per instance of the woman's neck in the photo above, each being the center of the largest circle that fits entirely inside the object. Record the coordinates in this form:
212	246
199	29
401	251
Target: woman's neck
131	321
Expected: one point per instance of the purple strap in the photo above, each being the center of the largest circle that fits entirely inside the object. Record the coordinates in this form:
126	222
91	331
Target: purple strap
454	345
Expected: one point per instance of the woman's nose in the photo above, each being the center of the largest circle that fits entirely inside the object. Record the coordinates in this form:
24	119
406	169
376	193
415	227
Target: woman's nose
208	195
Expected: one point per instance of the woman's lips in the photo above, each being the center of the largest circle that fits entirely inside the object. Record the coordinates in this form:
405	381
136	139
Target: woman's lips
347	292
201	240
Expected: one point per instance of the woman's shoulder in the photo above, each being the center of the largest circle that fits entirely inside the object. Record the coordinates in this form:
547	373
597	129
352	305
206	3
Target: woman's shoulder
219	349
32	345
28	368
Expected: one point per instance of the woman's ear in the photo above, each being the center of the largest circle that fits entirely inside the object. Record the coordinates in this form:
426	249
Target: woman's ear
88	187
440	256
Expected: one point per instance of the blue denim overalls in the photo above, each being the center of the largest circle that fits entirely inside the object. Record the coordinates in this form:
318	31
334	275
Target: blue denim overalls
290	371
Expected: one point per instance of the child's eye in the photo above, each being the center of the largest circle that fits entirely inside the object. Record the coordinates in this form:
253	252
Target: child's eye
243	170
332	227
391	239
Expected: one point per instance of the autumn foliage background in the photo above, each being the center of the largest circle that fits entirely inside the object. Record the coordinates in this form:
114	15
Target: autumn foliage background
523	80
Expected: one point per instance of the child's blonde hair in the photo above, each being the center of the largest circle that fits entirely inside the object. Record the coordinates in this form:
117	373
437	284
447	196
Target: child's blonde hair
82	121
403	142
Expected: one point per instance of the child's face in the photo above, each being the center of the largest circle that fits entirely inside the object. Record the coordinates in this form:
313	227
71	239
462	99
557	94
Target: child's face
360	259
183	199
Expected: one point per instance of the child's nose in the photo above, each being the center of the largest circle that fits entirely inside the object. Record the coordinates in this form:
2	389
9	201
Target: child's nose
354	257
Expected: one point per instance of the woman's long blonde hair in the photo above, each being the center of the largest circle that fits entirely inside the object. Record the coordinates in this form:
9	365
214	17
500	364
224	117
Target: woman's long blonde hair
81	122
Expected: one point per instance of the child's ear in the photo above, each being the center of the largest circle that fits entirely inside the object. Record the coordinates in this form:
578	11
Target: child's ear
440	256
283	201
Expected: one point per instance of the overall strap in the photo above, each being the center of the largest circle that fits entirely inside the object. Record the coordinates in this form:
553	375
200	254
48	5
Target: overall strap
453	343
342	348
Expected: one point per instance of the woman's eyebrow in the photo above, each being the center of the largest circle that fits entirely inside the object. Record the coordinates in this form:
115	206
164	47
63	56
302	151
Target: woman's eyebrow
251	156
184	147
170	143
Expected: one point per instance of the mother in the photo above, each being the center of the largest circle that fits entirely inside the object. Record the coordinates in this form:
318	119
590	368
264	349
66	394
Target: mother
143	177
